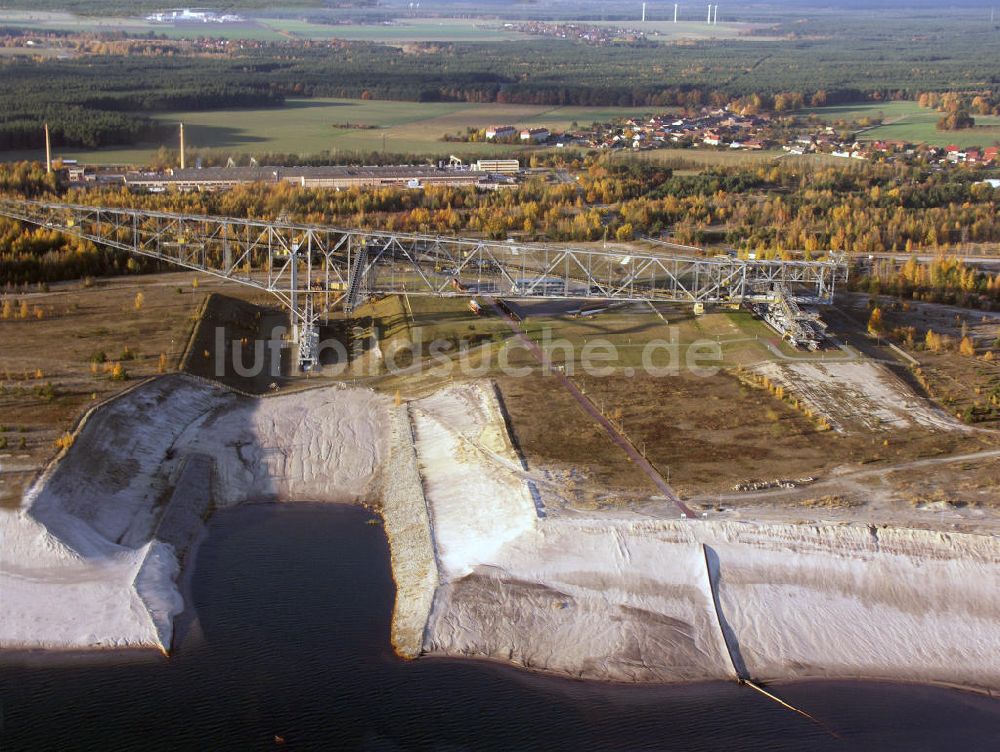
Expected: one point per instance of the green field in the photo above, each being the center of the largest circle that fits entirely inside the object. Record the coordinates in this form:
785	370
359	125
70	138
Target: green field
273	29
45	52
306	126
907	121
401	30
668	31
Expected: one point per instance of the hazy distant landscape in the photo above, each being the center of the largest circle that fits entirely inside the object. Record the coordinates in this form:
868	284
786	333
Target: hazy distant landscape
487	56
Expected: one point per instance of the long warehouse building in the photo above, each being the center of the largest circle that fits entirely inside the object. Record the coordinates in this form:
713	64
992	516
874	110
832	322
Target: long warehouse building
334	176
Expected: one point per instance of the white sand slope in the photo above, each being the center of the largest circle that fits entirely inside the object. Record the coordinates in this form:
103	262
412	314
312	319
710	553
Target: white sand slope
628	599
857	602
479	506
80	564
479	573
51	596
586	598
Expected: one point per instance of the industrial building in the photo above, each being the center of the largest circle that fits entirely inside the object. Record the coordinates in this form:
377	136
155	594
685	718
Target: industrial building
498	166
334	176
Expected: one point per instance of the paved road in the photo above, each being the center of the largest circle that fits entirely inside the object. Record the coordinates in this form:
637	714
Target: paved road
591	409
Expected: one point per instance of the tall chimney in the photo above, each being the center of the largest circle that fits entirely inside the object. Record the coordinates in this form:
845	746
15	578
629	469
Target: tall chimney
715	15
709	19
182	146
644	12
675	12
48	151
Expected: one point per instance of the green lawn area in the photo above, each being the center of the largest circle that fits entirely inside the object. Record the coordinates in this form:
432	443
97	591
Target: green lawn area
306	126
907	121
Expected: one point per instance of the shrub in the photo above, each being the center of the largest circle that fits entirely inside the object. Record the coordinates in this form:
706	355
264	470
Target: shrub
46	392
875	324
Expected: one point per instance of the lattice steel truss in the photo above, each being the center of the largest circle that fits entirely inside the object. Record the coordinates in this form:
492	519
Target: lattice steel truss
312	269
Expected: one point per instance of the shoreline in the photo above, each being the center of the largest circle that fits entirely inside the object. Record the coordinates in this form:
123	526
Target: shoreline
481	573
68	657
56	658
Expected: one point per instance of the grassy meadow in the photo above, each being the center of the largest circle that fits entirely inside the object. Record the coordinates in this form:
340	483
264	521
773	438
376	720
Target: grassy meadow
907	121
309	126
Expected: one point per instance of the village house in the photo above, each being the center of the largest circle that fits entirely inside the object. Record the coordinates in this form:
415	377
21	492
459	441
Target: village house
535	135
500	132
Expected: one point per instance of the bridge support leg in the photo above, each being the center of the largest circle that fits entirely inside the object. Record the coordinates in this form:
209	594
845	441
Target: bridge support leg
306	338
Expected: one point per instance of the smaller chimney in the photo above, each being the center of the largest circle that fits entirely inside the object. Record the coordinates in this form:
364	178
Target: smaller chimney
48	151
675	12
182	146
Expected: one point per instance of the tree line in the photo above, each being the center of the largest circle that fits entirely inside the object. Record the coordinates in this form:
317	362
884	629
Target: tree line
778	210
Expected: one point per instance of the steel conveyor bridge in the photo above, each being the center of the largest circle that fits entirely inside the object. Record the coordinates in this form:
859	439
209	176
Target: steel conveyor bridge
312	269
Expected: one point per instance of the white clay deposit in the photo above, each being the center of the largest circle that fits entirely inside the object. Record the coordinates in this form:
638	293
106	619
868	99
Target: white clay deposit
92	558
81	564
630	599
857	394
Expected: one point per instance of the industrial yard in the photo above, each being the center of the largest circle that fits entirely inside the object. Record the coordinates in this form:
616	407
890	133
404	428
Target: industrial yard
687	424
494	487
838	410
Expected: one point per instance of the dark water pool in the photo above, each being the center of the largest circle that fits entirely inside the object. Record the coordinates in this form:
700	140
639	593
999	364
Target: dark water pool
289	638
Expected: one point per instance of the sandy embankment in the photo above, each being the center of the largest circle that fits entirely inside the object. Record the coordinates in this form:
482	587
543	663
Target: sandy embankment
839	601
91	559
628	598
409	530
